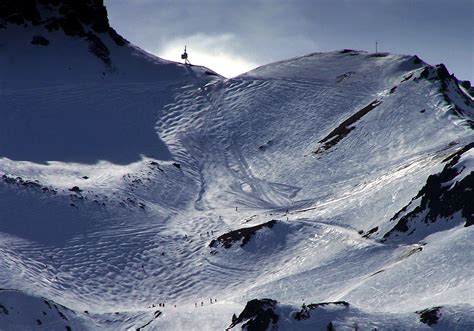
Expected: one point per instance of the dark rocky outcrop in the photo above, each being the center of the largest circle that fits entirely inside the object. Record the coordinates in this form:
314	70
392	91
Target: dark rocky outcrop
156	165
67	15
449	86
265	146
19	12
210	73
258	315
85	19
263	314
439	198
407	77
242	236
156	314
98	48
3	310
119	40
466	84
25	183
378	55
75	189
430	316
416	59
349	52
370	232
305	311
340	132
345	76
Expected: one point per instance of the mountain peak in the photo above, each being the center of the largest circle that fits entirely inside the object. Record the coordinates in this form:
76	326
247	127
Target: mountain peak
72	17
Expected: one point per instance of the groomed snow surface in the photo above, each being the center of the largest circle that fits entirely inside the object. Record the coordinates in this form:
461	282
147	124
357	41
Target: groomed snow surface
116	180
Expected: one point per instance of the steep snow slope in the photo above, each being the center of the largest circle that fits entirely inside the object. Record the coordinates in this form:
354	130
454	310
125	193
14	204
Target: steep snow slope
59	105
131	181
392	132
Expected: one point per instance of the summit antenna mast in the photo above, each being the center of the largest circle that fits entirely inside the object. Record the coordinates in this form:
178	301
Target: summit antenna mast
184	56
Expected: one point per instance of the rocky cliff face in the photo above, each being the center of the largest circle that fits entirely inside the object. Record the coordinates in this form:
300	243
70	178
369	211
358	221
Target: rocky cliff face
446	198
84	19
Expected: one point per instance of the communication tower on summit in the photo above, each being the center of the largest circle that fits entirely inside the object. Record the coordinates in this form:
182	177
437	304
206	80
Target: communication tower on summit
184	56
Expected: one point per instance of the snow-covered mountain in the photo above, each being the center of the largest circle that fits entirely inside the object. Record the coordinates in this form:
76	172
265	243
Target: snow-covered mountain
332	190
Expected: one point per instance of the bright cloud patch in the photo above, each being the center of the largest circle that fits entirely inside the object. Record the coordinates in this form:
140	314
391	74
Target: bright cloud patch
214	52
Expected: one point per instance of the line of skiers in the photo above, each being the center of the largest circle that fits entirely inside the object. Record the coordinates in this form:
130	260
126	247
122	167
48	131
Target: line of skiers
162	304
211	233
202	302
159	305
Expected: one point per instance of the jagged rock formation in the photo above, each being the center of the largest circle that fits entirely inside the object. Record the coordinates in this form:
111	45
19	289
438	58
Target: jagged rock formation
430	316
84	19
241	236
445	194
257	315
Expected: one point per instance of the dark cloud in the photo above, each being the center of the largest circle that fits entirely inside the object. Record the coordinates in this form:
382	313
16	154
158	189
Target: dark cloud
265	31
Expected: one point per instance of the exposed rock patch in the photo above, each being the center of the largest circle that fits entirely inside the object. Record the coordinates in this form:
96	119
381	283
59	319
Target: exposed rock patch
378	55
339	133
67	15
440	198
266	145
3	310
75	189
449	87
305	311
370	232
26	183
98	48
156	314
242	236
430	316
345	76
257	315
416	59
84	19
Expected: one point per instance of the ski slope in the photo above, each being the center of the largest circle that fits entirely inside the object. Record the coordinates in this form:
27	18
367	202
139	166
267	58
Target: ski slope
115	179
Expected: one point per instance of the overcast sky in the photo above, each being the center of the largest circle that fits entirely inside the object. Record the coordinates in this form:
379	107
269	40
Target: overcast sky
234	36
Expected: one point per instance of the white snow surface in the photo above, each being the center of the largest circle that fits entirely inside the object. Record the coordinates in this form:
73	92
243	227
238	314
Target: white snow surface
167	157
